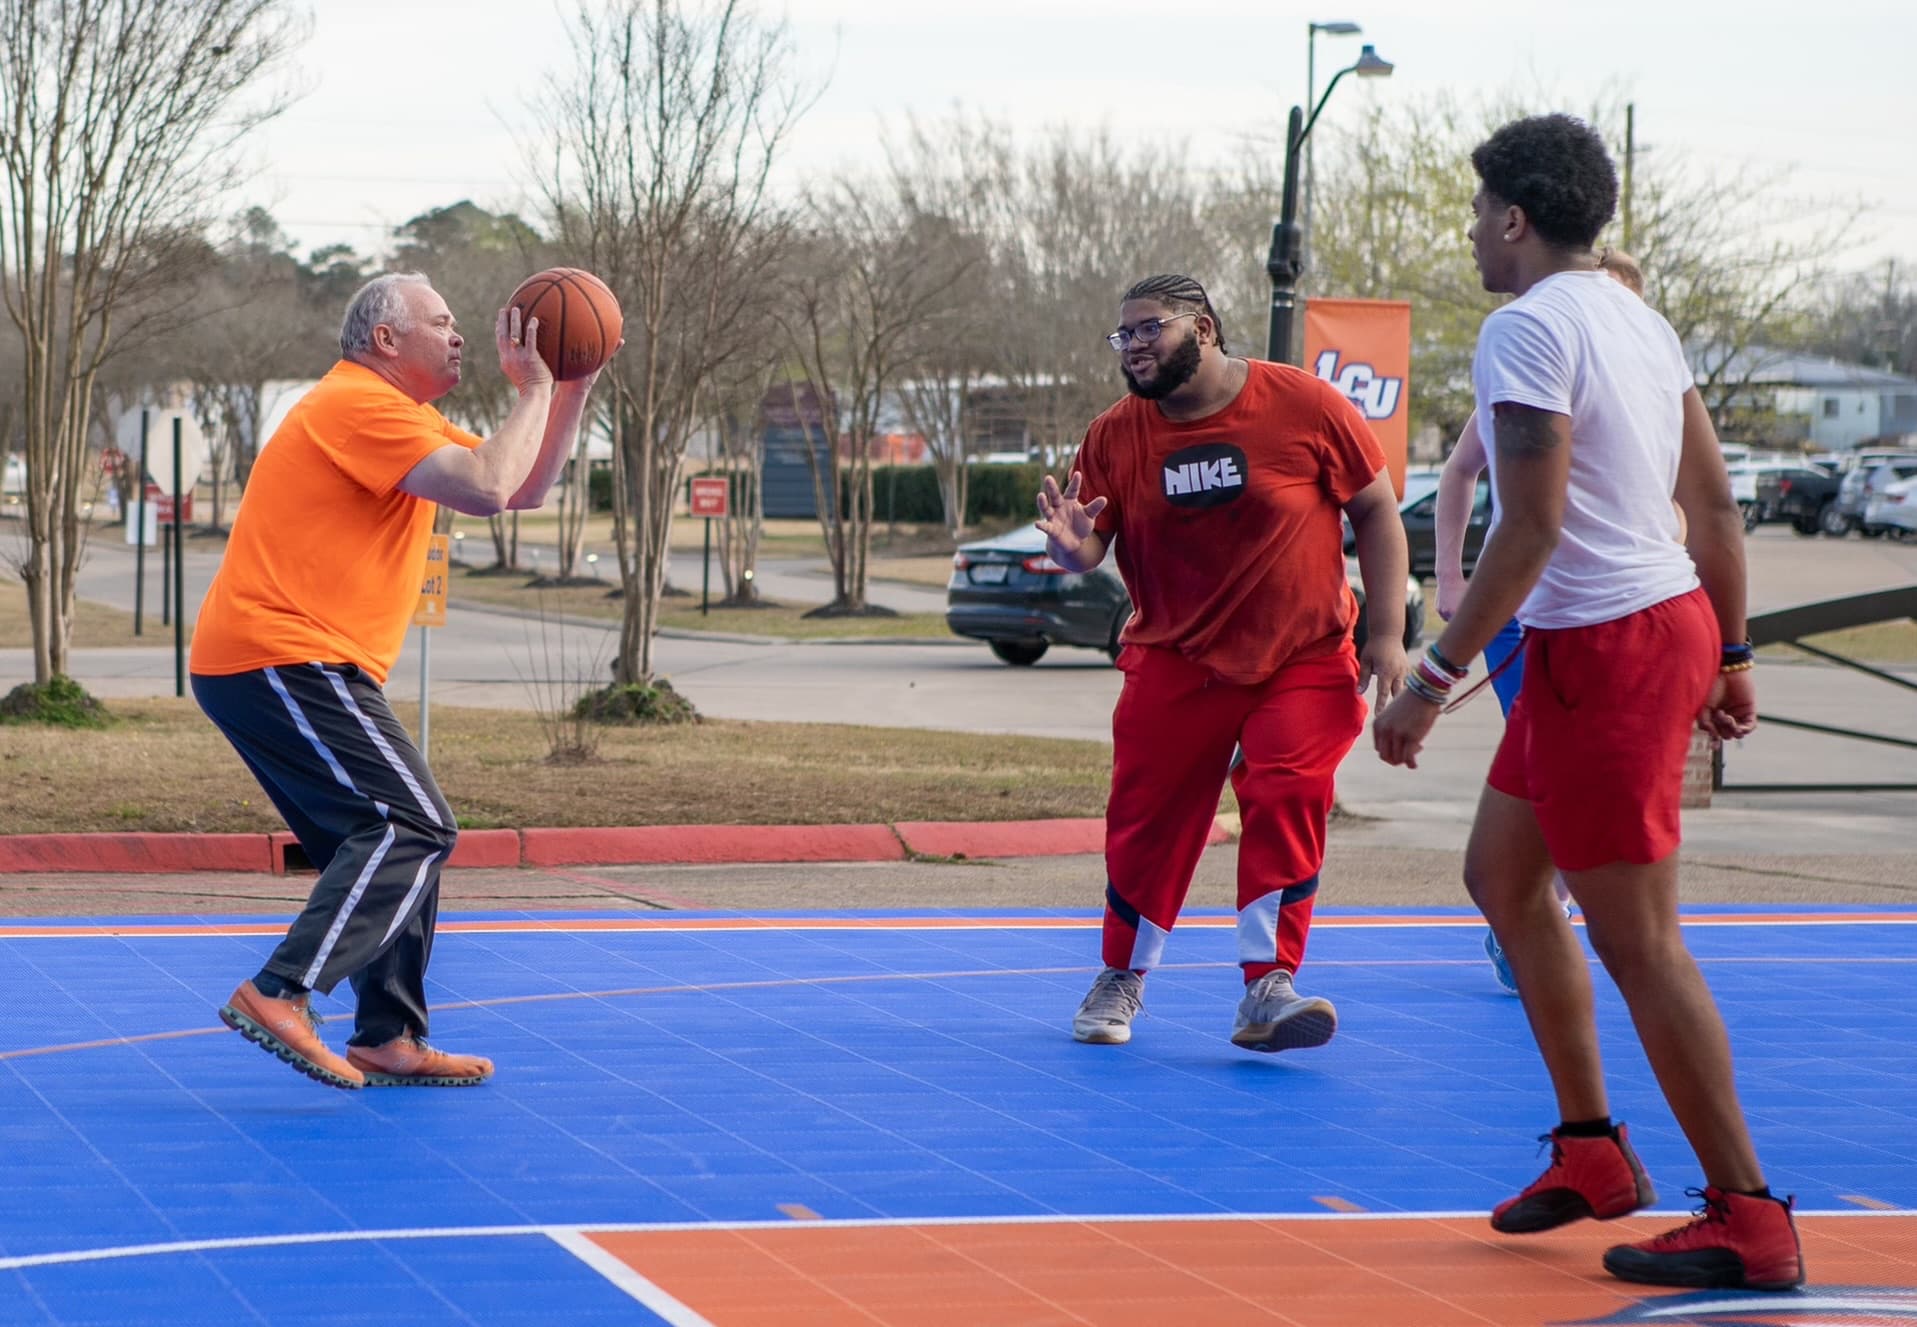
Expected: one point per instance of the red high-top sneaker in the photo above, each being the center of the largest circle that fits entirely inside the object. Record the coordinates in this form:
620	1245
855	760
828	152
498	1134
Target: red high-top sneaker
1736	1242
1595	1177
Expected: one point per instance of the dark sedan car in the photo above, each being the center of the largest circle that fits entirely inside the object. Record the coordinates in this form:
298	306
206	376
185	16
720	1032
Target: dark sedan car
1419	512
1007	593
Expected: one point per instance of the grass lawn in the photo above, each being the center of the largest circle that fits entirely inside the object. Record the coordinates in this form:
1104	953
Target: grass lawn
94	625
162	767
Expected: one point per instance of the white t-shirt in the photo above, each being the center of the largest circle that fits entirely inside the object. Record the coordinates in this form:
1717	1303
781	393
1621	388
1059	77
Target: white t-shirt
1580	344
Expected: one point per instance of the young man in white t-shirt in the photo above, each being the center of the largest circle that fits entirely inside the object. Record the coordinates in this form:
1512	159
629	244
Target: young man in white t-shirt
1631	638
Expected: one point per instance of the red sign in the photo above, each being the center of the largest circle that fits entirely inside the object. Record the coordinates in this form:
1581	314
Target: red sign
159	499
1363	348
710	497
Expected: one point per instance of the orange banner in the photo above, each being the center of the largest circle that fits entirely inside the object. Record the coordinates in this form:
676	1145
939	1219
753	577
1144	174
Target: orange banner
1363	348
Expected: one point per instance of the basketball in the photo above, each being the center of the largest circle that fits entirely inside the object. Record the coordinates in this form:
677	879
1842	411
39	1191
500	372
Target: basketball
579	319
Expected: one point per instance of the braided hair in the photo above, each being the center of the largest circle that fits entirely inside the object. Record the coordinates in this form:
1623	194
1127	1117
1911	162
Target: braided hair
1179	292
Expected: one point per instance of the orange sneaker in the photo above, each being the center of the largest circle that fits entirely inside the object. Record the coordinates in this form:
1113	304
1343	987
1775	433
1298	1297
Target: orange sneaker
1595	1177
289	1029
410	1062
1736	1242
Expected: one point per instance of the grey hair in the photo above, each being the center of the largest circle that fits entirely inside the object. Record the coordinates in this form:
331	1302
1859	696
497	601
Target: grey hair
378	301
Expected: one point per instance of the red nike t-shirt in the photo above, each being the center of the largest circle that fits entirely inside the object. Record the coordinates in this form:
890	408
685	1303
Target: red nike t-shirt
1227	527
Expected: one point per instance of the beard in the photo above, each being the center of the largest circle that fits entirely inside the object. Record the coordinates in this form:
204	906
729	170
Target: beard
1172	374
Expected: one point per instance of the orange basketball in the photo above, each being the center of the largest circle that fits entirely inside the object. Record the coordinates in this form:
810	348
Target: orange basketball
579	320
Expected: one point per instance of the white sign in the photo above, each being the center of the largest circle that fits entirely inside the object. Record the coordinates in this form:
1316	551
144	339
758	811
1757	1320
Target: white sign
159	444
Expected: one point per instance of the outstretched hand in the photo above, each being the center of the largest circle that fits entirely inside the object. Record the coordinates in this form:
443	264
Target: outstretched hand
1066	521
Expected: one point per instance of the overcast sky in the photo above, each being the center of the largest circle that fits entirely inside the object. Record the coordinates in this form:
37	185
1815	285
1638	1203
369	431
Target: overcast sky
413	104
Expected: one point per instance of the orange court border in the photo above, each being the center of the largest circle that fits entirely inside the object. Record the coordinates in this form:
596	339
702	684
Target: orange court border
1446	1270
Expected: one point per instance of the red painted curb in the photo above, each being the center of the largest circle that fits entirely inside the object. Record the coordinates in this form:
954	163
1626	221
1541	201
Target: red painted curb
628	846
1003	838
681	844
485	847
1015	838
135	853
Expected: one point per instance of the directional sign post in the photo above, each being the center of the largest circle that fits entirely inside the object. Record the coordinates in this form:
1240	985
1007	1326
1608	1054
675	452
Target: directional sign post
710	498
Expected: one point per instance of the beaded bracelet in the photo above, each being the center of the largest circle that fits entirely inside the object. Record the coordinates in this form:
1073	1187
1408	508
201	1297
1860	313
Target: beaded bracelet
1438	682
1743	666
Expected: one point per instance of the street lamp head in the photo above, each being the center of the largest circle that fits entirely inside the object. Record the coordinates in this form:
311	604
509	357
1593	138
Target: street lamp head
1371	64
1337	29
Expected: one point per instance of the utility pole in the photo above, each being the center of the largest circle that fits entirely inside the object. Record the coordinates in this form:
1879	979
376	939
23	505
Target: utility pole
1630	152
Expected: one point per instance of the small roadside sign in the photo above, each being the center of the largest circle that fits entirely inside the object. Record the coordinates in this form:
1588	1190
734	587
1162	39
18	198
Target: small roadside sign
431	611
163	504
710	497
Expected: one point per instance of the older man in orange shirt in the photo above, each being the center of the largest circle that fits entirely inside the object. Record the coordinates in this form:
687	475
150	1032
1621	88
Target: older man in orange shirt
297	635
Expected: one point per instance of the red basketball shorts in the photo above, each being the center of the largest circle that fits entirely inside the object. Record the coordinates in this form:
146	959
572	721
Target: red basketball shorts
1599	735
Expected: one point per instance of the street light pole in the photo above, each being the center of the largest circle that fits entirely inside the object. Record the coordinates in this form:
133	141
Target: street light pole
1285	262
1311	90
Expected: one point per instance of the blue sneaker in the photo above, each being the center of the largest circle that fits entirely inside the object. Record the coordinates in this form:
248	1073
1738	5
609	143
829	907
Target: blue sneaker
1500	965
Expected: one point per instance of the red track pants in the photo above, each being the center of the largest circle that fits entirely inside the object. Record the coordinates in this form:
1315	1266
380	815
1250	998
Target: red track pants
1172	739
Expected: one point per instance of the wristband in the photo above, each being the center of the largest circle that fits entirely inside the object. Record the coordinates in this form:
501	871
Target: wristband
1428	673
1431	652
1740	653
1423	690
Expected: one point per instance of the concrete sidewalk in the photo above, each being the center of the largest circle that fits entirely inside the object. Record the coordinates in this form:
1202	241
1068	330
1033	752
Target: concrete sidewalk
1358	873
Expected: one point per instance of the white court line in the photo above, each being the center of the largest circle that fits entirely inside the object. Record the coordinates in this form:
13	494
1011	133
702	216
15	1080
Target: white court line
628	1279
555	1233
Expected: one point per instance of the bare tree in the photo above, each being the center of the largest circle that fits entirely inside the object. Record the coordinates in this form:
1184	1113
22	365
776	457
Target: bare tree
877	285
951	171
665	143
1082	218
249	324
1394	200
738	399
1868	317
117	123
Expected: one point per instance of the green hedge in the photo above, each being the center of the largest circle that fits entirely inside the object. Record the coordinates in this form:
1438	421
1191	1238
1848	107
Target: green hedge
910	493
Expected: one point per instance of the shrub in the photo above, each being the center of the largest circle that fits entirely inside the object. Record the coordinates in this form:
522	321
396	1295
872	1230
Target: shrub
61	702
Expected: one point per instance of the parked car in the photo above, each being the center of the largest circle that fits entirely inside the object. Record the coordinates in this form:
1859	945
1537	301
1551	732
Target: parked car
1419	513
1746	479
1803	496
1006	592
1847	513
1890	504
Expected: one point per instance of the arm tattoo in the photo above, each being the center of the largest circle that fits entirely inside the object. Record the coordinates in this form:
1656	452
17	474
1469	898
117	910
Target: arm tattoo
1525	433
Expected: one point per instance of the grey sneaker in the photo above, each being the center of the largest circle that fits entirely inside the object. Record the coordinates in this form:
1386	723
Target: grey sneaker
1105	1018
1274	1017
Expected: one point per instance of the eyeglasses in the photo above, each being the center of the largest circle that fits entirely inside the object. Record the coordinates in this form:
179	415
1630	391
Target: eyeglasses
1144	333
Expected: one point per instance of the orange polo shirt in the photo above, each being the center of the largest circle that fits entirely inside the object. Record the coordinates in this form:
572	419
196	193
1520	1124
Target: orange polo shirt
326	555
